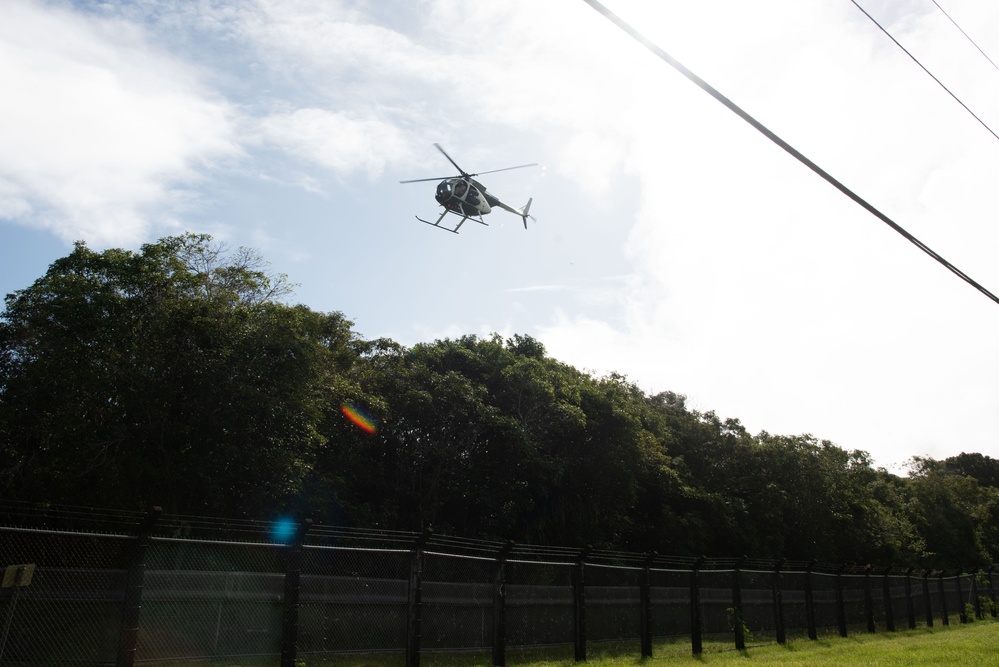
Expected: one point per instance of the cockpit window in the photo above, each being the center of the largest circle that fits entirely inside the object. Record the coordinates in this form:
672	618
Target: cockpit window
443	192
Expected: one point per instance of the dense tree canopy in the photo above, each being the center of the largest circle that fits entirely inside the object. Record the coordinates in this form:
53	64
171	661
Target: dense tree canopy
176	375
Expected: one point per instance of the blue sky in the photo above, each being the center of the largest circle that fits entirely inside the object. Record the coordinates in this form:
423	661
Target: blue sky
673	243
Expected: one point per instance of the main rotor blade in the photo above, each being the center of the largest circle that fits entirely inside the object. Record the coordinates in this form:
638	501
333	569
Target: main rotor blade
521	166
422	180
462	171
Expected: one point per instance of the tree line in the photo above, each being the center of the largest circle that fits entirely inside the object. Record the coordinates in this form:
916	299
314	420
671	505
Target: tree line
178	376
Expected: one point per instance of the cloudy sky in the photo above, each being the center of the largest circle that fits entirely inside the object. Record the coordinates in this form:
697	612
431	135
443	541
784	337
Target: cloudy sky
673	243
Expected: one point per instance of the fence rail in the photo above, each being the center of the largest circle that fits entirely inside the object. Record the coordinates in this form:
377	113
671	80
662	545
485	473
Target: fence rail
167	593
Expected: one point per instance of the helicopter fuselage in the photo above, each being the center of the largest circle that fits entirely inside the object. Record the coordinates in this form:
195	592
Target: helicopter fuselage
464	196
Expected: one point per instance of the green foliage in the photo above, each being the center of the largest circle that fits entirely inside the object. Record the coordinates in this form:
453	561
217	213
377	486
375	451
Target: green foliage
169	376
176	375
736	623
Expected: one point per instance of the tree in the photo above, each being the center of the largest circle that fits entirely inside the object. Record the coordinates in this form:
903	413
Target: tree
953	514
170	376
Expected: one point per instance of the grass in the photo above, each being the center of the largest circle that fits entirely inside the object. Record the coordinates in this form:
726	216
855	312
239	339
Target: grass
972	645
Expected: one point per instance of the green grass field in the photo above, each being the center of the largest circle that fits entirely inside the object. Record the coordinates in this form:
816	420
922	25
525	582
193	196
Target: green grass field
972	645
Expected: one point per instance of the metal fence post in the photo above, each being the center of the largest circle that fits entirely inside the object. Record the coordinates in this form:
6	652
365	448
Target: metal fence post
499	605
129	634
910	608
645	609
840	603
696	645
810	602
974	593
992	592
778	595
927	598
292	583
961	613
414	618
945	616
579	606
737	622
889	610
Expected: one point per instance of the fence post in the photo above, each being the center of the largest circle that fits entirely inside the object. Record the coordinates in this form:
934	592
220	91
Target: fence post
499	605
961	614
778	595
840	603
414	602
810	602
928	599
945	616
738	625
696	646
292	583
910	608
579	606
129	633
868	601
992	592
974	593
889	609
645	610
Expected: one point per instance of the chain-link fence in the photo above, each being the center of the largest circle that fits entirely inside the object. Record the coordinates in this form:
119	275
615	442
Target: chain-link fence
182	591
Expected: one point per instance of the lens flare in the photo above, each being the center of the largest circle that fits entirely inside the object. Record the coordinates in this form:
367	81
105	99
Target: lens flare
283	530
359	417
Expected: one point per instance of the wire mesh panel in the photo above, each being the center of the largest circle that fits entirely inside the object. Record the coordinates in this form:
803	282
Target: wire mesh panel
353	600
457	602
878	602
670	595
69	611
758	605
613	603
921	600
209	600
951	599
794	603
539	604
855	602
899	600
824	602
716	604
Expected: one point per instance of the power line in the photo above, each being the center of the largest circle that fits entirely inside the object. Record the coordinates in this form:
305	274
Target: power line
915	60
964	33
732	106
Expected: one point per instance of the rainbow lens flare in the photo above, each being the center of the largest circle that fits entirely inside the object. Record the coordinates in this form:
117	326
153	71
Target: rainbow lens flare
359	417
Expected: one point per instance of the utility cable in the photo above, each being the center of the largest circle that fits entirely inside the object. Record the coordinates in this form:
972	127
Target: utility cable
899	45
704	85
964	33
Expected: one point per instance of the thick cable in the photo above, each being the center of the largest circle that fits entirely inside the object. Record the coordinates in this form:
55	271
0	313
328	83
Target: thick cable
704	85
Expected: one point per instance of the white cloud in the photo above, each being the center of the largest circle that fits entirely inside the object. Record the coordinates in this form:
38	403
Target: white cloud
99	133
335	140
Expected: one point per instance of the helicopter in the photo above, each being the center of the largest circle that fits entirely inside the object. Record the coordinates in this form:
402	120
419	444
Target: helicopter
463	196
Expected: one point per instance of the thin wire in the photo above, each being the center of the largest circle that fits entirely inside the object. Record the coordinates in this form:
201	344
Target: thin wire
925	70
964	33
704	85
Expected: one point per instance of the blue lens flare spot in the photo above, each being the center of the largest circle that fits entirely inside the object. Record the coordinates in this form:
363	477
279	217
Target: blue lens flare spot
283	530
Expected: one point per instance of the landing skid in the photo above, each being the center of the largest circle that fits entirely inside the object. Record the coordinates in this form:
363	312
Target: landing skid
457	227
